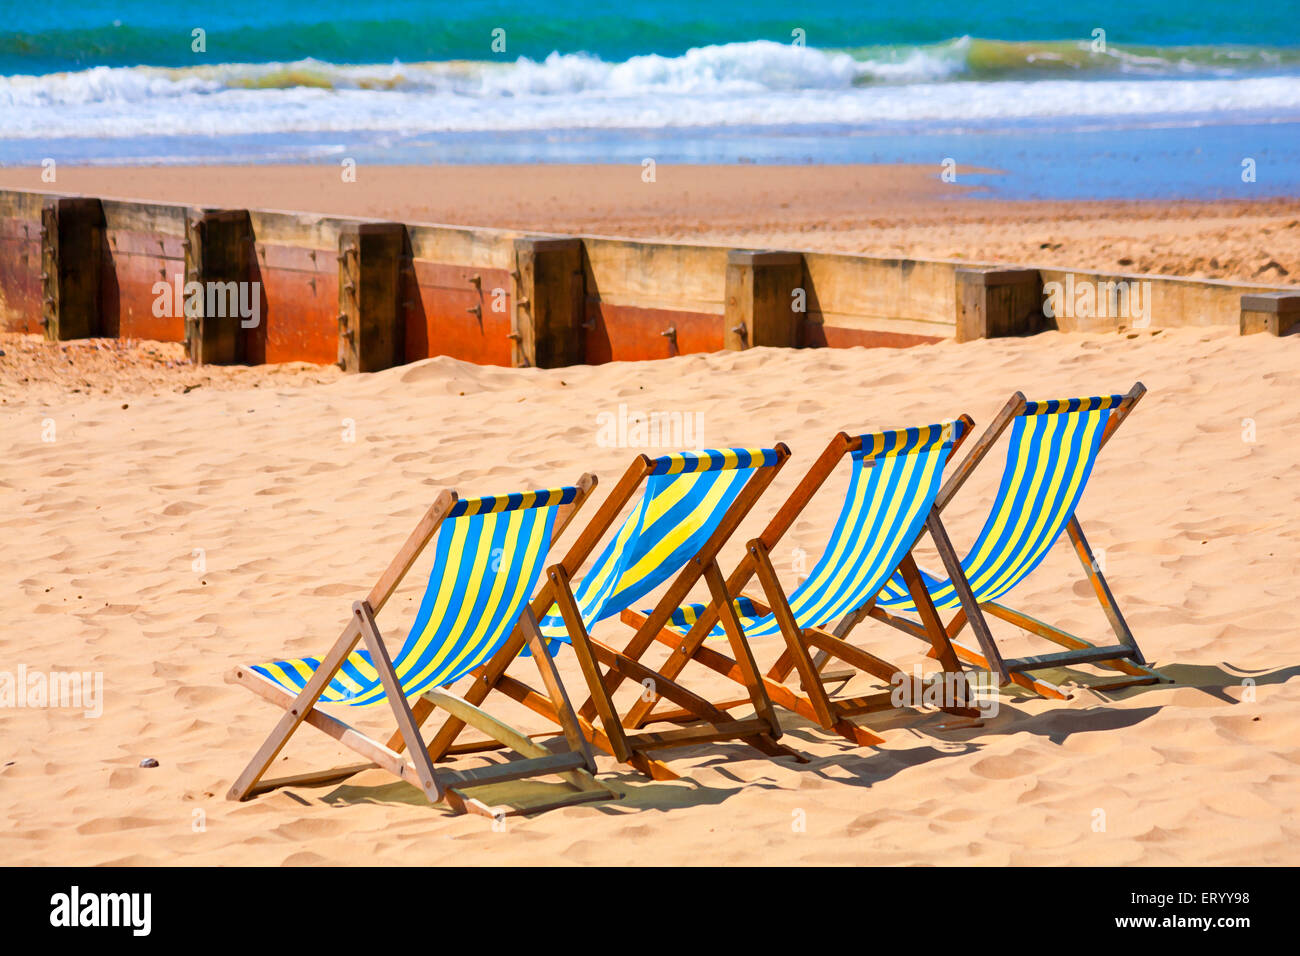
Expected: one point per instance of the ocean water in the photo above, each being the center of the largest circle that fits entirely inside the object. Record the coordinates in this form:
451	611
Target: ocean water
1177	98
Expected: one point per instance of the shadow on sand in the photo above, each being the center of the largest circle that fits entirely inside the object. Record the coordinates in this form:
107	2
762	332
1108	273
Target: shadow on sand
852	766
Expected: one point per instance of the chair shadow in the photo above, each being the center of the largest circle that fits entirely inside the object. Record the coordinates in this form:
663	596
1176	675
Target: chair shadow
852	765
1056	724
634	793
1214	680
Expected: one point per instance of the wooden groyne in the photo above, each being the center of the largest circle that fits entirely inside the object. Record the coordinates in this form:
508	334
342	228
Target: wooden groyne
368	295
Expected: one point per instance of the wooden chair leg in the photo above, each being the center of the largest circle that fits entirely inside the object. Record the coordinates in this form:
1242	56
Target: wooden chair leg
841	630
955	625
541	704
376	753
929	615
1142	672
940	645
723	727
420	712
555	689
952	564
537	760
571	767
793	634
383	663
582	647
684	651
784	664
294	715
740	650
1102	589
486	680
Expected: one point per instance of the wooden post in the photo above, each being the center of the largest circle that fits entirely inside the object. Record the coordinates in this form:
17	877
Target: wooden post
371	333
760	301
995	303
72	242
548	296
1276	313
218	251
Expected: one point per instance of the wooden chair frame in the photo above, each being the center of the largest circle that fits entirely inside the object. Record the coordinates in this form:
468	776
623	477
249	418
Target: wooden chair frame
1125	656
811	699
761	731
576	766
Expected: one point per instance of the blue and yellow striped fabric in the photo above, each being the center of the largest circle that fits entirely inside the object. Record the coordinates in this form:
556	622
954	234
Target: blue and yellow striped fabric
488	558
686	496
689	462
896	475
492	504
1057	406
1052	449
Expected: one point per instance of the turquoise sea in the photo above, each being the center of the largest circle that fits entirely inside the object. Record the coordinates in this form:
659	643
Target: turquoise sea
1197	98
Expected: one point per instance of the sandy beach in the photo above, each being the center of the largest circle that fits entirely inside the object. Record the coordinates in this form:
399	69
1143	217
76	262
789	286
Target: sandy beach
163	523
879	210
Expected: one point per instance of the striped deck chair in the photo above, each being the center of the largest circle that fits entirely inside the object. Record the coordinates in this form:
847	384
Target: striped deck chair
488	559
888	506
1053	446
692	502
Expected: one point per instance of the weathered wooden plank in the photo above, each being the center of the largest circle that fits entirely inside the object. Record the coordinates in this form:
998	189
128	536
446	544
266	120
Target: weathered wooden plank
996	303
548	298
20	273
647	275
305	230
1173	301
151	218
763	290
23	203
482	248
1277	313
72	253
218	253
847	291
371	326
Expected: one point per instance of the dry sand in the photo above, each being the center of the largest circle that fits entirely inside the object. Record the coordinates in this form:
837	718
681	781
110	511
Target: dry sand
1193	503
902	211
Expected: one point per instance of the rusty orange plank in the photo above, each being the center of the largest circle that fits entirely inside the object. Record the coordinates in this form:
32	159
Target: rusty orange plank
138	260
437	304
20	275
627	333
300	305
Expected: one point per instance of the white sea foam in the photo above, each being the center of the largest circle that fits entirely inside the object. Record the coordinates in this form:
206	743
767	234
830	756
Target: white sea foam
744	84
